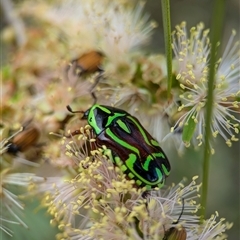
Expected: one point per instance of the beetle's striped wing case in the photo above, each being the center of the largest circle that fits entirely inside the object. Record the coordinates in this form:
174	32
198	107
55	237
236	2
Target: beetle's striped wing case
131	147
137	153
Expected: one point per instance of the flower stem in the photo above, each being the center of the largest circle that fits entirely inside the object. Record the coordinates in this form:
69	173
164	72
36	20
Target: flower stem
168	41
216	27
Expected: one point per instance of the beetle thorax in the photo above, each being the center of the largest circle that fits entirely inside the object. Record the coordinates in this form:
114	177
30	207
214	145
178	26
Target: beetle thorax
101	117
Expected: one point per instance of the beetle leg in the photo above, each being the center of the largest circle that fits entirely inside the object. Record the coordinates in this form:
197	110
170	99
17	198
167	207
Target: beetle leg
97	80
146	194
176	222
76	132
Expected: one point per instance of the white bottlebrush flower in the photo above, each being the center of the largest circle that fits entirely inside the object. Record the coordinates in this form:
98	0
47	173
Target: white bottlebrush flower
192	55
116	30
11	207
212	229
125	30
227	92
131	98
110	26
99	202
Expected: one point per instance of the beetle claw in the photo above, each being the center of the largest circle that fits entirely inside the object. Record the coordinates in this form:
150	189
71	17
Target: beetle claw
70	110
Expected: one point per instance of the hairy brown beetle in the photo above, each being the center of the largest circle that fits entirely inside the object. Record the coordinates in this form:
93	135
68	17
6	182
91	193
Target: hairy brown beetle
25	139
89	62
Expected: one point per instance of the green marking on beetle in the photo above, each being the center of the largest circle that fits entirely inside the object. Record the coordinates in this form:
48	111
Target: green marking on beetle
108	152
130	164
132	157
146	163
155	143
123	126
111	118
118	161
150	158
140	129
131	175
104	109
165	170
92	121
121	142
138	182
159	173
123	168
159	154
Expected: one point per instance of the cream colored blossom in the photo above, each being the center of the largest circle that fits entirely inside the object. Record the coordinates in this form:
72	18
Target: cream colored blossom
192	54
99	202
11	207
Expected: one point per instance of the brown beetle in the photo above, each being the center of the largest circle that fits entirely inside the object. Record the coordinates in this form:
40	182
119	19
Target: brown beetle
89	62
175	234
25	139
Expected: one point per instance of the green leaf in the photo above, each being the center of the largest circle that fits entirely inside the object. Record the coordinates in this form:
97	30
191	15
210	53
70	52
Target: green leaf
189	129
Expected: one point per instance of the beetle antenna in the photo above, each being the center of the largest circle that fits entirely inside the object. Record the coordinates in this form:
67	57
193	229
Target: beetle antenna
70	110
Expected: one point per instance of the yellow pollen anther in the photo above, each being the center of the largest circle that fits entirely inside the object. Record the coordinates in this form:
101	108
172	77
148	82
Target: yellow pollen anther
212	151
228	142
178	76
234	139
195	178
234	32
215	134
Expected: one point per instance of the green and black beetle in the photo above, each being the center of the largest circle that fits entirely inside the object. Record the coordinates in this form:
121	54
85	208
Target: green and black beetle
132	148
